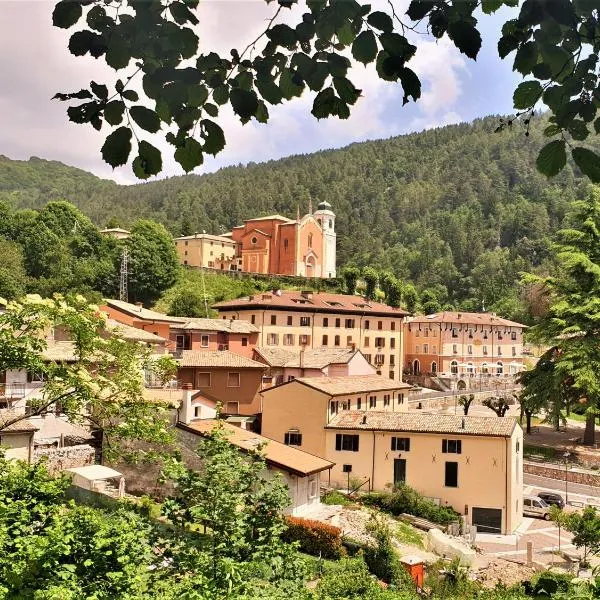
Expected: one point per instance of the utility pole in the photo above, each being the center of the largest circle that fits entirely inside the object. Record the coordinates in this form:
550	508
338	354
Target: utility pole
123	293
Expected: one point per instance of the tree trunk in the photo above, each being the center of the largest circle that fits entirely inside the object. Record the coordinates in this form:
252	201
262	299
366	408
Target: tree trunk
528	415
589	436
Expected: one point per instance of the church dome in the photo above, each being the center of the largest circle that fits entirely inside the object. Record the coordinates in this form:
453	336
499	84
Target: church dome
324	205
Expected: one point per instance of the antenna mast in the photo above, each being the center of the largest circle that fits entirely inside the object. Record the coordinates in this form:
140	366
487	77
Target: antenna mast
123	293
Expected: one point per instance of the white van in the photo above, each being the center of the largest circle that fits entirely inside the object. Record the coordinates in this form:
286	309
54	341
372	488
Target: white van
535	507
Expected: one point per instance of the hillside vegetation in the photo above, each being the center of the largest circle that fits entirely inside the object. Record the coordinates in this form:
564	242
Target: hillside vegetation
458	210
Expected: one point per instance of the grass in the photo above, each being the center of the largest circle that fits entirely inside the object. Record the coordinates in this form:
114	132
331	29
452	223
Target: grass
335	497
544	451
407	534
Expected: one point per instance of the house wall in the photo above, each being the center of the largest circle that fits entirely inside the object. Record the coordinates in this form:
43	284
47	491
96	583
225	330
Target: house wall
157	328
207	253
247	394
286	254
217	340
387	360
18	446
487	469
310	244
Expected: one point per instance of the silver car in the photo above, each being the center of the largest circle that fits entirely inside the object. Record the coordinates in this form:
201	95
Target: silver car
535	507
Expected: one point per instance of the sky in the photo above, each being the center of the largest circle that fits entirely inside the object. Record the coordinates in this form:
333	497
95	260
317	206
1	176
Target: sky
35	64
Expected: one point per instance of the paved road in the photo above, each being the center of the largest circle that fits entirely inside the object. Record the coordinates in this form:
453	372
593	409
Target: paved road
576	490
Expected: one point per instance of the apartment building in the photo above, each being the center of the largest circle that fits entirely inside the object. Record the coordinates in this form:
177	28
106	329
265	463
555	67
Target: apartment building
473	464
207	251
292	319
297	412
459	344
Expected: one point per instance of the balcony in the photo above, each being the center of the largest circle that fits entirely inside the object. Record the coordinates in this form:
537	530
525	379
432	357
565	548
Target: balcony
10	391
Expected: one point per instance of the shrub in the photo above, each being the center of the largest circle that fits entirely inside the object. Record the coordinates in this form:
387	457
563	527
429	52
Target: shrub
404	499
335	497
315	538
382	559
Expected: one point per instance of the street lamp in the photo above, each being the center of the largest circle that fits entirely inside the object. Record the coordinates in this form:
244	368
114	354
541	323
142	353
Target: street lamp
566	456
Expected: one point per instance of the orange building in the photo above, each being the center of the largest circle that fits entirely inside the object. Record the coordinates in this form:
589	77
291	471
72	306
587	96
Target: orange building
277	245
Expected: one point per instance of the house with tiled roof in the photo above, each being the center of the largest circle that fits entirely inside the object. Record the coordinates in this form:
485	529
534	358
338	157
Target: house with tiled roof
311	320
16	435
473	464
296	412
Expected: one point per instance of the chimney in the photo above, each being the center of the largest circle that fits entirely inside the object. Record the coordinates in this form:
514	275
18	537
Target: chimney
195	234
308	294
139	306
302	350
364	420
185	412
462	424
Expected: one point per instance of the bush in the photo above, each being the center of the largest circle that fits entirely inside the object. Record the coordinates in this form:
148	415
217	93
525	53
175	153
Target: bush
382	559
336	498
315	538
404	499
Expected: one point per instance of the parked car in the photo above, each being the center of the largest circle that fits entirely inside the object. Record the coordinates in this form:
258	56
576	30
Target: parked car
552	499
535	507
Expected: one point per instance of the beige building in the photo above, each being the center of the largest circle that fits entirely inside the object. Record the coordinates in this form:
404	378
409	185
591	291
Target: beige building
16	439
296	412
473	464
208	251
117	233
307	319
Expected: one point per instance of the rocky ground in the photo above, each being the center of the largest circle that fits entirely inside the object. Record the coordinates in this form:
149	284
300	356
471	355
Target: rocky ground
503	571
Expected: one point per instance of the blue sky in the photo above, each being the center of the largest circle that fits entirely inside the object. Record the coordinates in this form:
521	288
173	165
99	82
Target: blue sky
35	63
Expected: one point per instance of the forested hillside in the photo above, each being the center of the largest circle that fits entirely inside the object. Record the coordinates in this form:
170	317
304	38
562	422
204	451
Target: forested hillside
459	210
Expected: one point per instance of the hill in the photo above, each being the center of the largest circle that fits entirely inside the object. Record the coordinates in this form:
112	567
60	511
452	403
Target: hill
459	209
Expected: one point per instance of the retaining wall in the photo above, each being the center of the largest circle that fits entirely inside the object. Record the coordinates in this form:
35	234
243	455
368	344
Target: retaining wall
68	457
555	472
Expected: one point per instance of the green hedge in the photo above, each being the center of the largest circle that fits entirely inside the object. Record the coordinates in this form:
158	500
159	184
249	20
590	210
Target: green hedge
404	499
316	538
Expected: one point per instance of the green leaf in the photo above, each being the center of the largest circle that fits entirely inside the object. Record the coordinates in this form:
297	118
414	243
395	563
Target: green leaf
597	125
82	42
588	162
345	34
182	14
346	90
100	90
221	94
130	95
418	9
147	119
117	54
381	21
113	112
397	45
189	155
506	44
282	35
148	162
289	88
552	158
364	48
243	102
197	95
323	103
66	13
578	129
526	58
552	130
465	37
268	89
527	94
262	113
490	6
211	109
558	60
214	139
411	85
117	147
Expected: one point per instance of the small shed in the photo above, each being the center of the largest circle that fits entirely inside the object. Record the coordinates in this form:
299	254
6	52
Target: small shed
99	479
415	567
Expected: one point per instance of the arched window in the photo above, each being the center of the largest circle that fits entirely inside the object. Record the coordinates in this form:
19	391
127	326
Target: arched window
434	367
330	224
499	367
454	367
470	368
310	240
484	367
416	367
254	240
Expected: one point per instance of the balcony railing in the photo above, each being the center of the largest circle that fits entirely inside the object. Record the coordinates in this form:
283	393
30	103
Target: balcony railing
14	390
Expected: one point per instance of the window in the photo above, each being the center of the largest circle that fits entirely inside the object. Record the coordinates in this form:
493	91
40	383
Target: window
401	398
204	340
454	332
367	342
434	349
372	401
337	322
452	446
379	342
485	335
292	438
349	324
272	339
379	359
285	245
380	325
346	442
391	374
518	446
288	339
484	367
358	403
454	349
469	349
400	444
425	348
203	380
197	411
333	407
484	350
393	325
233	408
312	487
368	358
310	240
185	262
186	253
417	333
324	341
291	378
470	334
499	335
386	399
233	380
454	367
499	367
514	351
186	243
451	475
426	332
348	340
513	335
252	319
290	320
325	322
254	240
392	360
367	324
244	341
499	350
418	349
305	321
273	319
180	342
392	343
304	340
336	340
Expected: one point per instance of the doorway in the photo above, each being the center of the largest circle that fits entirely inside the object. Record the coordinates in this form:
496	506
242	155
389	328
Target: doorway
399	471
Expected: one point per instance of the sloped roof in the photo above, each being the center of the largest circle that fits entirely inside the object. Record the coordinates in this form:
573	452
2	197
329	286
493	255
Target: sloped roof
217	358
346	384
423	423
133	333
269	218
205	236
114	230
468	318
317	358
276	454
60	352
21	426
225	325
94	472
313	302
142	313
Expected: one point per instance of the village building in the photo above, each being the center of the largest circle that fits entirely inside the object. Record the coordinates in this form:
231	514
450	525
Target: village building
16	439
297	412
285	364
461	345
294	320
207	251
223	377
184	333
116	232
473	464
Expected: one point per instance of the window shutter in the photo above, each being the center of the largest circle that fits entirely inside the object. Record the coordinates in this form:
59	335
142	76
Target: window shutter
299	439
393	444
355	443
338	441
444	446
407	444
458	446
286	439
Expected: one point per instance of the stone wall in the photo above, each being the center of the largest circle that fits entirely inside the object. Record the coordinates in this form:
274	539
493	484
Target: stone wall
555	472
59	459
436	401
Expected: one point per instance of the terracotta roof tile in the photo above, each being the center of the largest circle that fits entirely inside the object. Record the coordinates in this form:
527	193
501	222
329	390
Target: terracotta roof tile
225	325
313	301
133	333
348	384
20	426
316	358
143	313
217	358
423	423
465	317
276	454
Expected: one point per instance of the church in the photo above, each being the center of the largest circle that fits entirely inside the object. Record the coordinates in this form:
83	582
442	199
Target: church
277	245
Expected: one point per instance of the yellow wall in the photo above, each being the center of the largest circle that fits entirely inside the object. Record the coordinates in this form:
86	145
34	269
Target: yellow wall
18	445
205	252
487	469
